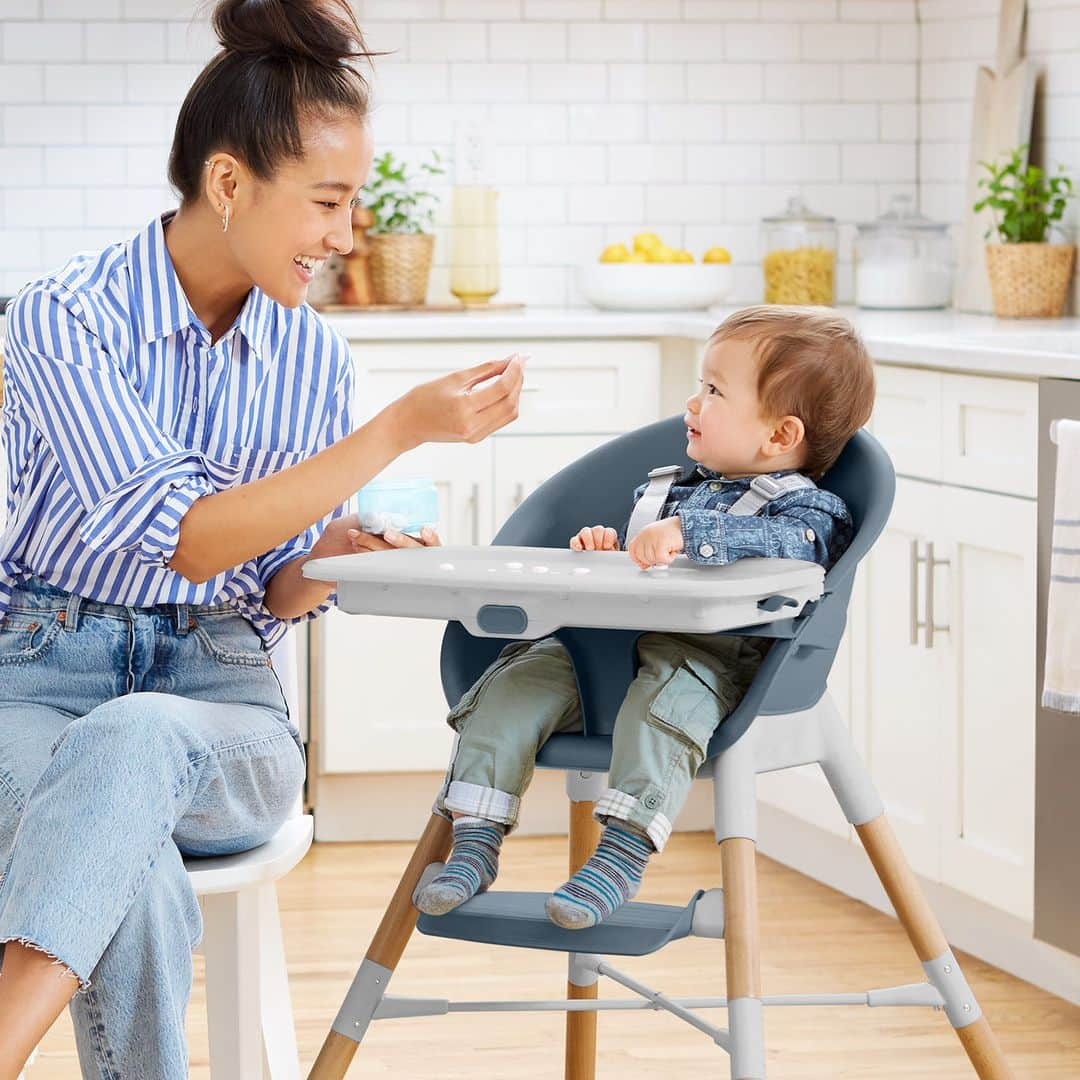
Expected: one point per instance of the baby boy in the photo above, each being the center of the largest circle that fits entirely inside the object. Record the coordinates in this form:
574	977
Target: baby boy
781	392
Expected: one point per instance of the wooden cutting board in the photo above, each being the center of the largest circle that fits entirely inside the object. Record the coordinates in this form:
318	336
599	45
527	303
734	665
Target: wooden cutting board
1004	99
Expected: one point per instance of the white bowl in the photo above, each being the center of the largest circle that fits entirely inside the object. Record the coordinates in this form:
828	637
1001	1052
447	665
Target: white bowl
656	286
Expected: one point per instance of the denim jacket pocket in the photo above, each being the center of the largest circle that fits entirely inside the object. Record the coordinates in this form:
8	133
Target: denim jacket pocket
231	639
690	705
25	636
471	697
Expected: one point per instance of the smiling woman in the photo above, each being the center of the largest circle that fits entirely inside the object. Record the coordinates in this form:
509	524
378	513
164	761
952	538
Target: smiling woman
179	439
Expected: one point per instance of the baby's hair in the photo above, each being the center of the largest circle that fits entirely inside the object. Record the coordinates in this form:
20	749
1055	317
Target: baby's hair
813	365
281	62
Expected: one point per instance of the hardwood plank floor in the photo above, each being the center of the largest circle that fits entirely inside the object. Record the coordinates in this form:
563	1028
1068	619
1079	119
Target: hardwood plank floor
814	940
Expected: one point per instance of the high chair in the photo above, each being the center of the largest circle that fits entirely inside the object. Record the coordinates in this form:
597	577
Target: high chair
786	719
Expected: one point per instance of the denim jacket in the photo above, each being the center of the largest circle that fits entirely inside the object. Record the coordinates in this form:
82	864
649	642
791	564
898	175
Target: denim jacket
808	523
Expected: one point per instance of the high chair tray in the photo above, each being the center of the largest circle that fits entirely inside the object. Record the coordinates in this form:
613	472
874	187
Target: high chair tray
527	592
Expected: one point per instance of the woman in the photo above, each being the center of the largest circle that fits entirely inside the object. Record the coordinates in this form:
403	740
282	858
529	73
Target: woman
179	441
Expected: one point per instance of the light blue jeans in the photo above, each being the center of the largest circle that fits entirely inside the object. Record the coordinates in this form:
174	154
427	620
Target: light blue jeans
128	738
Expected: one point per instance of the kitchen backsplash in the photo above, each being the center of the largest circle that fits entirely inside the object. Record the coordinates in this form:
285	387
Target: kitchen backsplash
689	117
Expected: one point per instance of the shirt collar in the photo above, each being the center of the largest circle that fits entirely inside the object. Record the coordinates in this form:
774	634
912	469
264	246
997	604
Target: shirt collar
160	303
708	474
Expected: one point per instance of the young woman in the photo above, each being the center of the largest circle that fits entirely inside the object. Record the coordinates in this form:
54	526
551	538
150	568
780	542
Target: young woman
179	441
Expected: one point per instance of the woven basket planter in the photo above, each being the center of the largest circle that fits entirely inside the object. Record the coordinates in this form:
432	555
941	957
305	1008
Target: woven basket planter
400	266
1029	281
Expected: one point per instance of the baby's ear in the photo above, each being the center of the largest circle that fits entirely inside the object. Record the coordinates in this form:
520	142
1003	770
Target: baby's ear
788	434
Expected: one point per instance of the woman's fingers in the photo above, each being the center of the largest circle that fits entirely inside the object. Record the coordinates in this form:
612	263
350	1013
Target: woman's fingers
400	540
365	541
430	538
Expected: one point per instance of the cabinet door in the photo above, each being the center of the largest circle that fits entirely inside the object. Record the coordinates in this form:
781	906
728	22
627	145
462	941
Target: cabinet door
524	462
989	739
906	679
383	708
907	419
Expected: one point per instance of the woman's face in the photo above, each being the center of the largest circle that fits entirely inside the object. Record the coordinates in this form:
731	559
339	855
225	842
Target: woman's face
284	229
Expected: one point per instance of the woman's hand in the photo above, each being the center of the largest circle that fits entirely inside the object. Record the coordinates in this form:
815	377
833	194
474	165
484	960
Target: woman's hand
365	541
657	544
595	538
456	408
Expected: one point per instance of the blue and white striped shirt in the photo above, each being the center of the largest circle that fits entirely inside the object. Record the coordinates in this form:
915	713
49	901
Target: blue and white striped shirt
118	414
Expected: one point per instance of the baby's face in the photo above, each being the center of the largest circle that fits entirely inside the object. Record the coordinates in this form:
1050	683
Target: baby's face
725	429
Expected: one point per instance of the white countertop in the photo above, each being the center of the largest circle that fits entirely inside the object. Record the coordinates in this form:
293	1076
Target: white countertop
1028	348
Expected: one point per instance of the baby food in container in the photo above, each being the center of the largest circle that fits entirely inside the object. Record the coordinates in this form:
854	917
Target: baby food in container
800	255
407	504
903	260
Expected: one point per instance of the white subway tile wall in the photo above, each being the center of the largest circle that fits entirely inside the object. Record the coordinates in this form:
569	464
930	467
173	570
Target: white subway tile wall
690	117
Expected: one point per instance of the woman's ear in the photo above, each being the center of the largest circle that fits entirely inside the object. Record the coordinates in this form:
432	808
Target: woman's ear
788	434
222	172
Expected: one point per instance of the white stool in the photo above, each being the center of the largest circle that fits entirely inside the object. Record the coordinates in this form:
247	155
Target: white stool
249	1012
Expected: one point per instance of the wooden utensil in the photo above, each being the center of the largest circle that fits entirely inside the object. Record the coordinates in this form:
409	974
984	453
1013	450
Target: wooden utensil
1004	99
357	288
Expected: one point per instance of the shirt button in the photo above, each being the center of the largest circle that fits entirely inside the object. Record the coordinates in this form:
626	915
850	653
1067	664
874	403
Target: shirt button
810	535
651	801
714	486
707	551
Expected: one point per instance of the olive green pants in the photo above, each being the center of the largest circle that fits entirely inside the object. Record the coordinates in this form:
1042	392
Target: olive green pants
685	686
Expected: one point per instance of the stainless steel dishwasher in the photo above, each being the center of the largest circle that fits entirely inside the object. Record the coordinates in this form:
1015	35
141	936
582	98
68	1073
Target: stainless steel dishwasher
1057	735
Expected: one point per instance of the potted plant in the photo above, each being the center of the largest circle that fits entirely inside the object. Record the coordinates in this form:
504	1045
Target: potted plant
1029	276
401	243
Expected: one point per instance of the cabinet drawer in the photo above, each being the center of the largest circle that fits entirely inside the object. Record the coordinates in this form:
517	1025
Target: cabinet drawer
907	419
570	386
990	433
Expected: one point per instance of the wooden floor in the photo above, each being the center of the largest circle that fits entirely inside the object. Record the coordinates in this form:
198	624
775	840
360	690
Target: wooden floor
814	940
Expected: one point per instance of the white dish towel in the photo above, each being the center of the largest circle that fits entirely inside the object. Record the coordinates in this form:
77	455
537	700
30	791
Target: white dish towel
1061	685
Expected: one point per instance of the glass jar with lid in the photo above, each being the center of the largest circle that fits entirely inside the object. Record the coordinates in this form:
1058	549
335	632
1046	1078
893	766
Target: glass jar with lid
800	255
903	260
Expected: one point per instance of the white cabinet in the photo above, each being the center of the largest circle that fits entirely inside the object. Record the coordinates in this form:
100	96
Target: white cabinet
381	705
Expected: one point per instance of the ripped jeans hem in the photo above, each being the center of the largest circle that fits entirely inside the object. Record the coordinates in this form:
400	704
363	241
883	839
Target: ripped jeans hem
84	984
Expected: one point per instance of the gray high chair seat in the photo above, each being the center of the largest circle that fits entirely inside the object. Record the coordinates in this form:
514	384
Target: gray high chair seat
785	719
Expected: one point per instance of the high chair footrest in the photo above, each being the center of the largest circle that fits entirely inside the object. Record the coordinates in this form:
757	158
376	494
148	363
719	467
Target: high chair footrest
519	919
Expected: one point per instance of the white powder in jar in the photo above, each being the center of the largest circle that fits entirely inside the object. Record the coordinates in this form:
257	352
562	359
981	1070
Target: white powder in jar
891	284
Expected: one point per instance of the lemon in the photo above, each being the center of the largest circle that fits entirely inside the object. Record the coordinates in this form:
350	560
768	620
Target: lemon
717	255
647	242
614	253
662	254
637	257
683	256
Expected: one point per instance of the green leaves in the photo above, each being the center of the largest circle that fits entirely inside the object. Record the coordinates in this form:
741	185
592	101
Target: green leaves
1025	201
393	196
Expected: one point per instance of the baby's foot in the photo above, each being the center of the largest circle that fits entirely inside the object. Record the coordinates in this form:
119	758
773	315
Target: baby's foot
471	868
610	878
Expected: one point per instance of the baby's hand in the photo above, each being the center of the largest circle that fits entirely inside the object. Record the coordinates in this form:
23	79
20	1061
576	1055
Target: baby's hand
595	538
657	544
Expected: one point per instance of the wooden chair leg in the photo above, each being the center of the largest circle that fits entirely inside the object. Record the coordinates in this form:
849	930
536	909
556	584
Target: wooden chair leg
388	944
581	1026
917	918
743	958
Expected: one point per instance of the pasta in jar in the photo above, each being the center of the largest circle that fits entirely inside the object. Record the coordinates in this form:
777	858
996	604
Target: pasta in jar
802	275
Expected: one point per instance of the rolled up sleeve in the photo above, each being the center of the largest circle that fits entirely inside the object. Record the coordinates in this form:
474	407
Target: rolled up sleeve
134	482
338	422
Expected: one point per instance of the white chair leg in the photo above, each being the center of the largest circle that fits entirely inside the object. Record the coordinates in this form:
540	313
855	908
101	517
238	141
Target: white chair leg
278	1027
231	941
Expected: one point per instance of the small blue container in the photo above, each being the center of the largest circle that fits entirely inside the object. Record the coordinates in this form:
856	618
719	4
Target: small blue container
408	505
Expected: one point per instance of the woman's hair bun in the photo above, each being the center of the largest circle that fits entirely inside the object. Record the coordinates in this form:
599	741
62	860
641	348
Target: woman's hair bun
322	31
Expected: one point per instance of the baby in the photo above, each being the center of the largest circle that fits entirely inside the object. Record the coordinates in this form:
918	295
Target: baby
781	392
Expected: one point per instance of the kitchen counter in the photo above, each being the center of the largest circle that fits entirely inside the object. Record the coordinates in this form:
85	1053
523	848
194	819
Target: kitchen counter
980	344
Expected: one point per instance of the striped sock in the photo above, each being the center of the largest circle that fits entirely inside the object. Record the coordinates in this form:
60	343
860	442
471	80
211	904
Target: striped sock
610	878
471	868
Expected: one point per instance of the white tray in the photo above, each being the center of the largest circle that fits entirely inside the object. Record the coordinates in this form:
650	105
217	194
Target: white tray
527	592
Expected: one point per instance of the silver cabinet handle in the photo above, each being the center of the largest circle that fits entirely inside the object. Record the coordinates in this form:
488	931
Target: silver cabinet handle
474	507
931	626
913	589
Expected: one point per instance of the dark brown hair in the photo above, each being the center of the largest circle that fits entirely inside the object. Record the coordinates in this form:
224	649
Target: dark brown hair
281	62
812	365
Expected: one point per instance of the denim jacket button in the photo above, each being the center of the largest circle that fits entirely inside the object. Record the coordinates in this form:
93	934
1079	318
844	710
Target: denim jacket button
714	486
810	535
707	551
